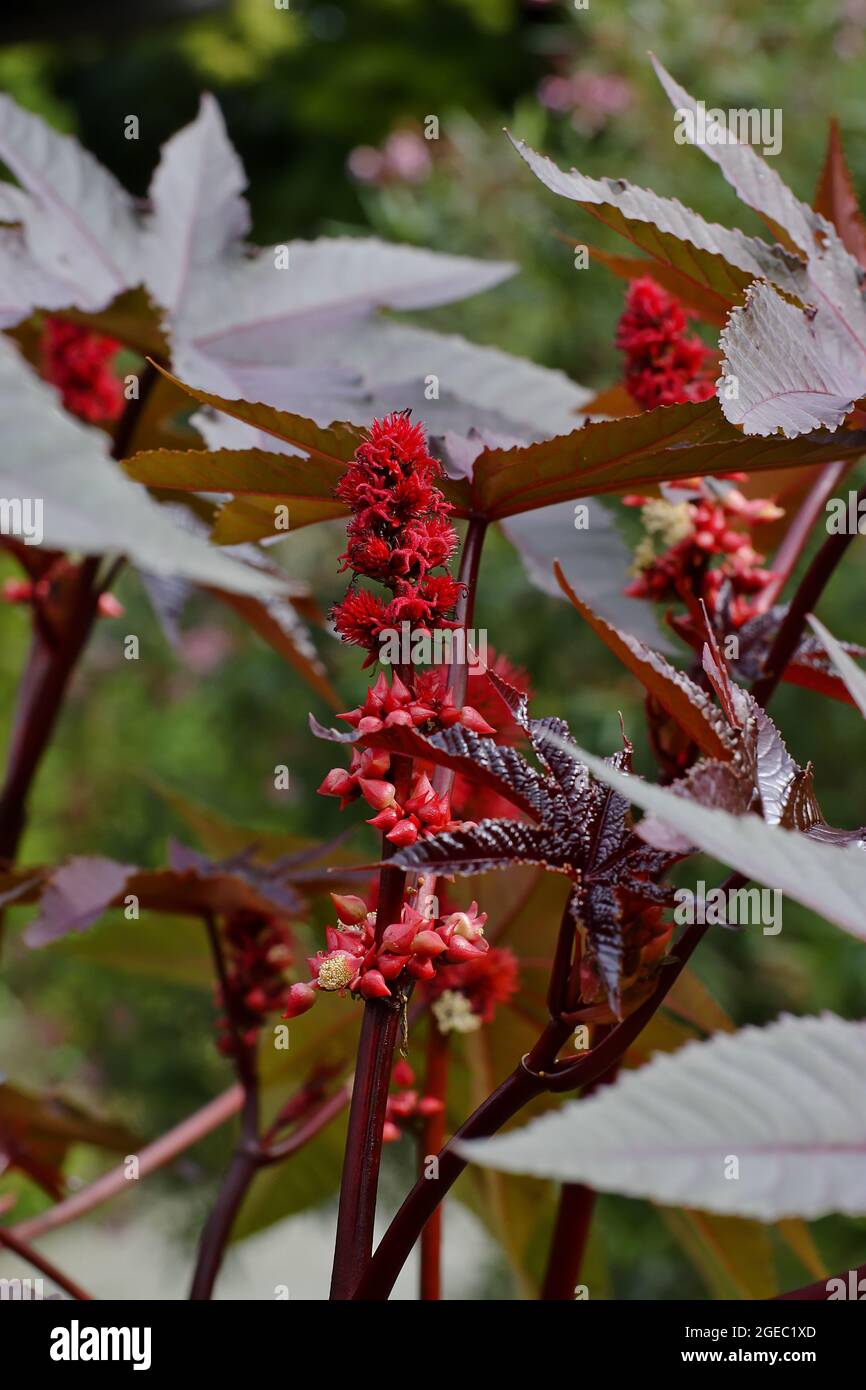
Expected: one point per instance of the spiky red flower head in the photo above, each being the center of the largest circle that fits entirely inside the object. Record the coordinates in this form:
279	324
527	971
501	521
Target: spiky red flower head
76	361
663	366
360	617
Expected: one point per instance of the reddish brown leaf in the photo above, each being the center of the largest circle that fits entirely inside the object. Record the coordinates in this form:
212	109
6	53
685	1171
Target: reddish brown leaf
836	199
684	701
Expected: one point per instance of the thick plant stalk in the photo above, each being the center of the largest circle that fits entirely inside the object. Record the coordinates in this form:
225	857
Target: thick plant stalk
363	1156
537	1073
360	1178
571	1228
570	1233
431	1141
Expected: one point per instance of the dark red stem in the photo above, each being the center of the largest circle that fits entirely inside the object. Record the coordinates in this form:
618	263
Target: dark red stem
571	1228
536	1074
808	592
33	1257
799	531
570	1232
52	659
431	1141
360	1178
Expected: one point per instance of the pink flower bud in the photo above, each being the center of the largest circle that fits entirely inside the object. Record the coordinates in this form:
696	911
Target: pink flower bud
459	950
429	1105
17	590
398	695
386	820
378	794
337	783
397	937
390	1132
299	999
391	966
403	1105
369	725
109	606
372	986
403	1075
349	907
421	967
374	762
471	719
428	943
398	716
405	832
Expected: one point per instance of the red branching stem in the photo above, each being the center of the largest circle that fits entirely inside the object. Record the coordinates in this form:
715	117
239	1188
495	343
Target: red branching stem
240	1174
570	1232
536	1074
799	531
50	664
156	1155
571	1228
40	695
316	1120
360	1179
33	1257
808	592
431	1141
245	1160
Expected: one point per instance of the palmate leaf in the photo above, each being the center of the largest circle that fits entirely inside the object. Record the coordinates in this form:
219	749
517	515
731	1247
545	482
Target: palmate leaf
810	666
74	895
719	261
796	368
87	503
829	878
81	231
854	678
677	441
786	1101
747	766
36	1132
603	457
585	834
794	371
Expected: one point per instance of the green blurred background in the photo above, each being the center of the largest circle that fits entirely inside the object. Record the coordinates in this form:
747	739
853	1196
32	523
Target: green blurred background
326	103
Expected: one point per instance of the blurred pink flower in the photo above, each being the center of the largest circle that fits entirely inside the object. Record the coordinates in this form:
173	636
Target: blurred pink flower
403	158
593	98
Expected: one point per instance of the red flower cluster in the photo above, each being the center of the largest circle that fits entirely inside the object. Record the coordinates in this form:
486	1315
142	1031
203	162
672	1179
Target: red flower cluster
663	366
416	944
710	526
398	534
258	949
466	995
430	705
405	1103
76	361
